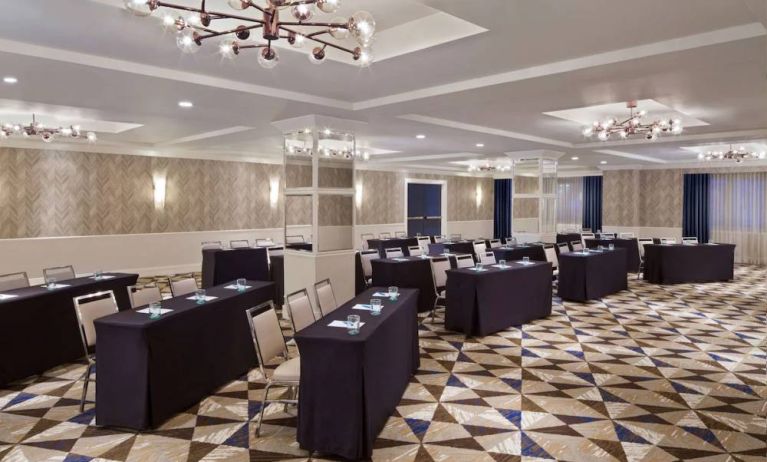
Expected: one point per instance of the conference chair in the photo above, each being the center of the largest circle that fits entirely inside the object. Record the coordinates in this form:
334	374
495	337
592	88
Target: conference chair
366	256
415	250
300	309
143	296
400	234
439	239
479	248
182	287
455	237
269	343
563	247
439	267
384	235
626	235
487	258
394	252
607	236
464	261
297	239
510	240
88	308
551	257
495	243
585	236
424	242
576	246
264	242
364	238
667	240
61	273
239	244
323	293
641	243
691	240
212	245
14	281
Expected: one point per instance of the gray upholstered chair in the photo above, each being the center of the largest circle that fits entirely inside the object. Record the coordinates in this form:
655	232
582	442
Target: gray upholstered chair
439	267
394	252
14	281
239	244
487	258
464	261
60	273
182	287
143	296
300	309
326	300
551	257
212	245
297	239
415	250
366	256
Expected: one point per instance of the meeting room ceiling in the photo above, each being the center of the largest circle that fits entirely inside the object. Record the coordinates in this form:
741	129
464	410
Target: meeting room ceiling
511	75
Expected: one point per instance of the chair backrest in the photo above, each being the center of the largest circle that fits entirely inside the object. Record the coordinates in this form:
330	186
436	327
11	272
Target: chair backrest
61	273
495	243
626	235
415	250
143	296
267	334
366	256
439	267
667	240
551	256
464	261
14	281
323	292
424	242
455	237
239	244
511	240
439	239
264	242
89	308
641	243
586	230
297	239
394	252
364	238
479	248
384	235
182	287
487	258
300	309
211	245
607	235
576	245
585	236
563	247
276	250
690	240
400	234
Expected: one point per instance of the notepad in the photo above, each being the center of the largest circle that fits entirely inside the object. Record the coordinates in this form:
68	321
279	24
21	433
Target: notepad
522	262
162	311
400	259
7	296
360	306
343	324
501	266
383	294
103	276
478	270
234	287
207	298
55	286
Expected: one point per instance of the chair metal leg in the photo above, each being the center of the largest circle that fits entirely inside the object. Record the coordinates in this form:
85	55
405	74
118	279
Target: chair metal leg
263	408
86	380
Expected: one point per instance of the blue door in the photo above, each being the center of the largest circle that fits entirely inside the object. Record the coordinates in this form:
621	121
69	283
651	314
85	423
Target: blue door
424	209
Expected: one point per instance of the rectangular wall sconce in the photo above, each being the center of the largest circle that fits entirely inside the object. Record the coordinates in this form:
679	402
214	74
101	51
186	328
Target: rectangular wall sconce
159	182
274	191
479	195
358	194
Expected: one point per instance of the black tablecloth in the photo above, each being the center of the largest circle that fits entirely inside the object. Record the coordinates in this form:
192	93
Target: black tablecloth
677	263
460	247
414	273
568	237
350	385
631	246
591	276
219	266
278	277
151	369
382	244
39	329
514	253
480	303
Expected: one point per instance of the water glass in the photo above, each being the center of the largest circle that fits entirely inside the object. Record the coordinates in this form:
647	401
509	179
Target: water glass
51	282
353	324
502	263
155	310
526	260
241	283
98	274
478	266
611	246
199	295
393	293
376	306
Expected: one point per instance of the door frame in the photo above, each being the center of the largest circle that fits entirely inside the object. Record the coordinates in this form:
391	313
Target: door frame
443	199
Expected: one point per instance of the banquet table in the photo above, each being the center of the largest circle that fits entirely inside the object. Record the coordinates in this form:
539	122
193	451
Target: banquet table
678	263
592	274
410	272
350	385
152	369
511	253
39	325
382	244
568	237
222	265
632	250
482	302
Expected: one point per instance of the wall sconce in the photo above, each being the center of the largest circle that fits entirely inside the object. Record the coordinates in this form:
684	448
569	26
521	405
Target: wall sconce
479	195
159	182
274	191
358	194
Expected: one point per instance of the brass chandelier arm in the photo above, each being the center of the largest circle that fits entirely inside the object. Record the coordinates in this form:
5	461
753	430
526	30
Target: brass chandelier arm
213	34
217	14
315	39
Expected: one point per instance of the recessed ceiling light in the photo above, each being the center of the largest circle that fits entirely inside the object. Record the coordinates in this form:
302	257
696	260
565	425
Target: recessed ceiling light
574	158
480	145
10	79
185	104
602	162
420	137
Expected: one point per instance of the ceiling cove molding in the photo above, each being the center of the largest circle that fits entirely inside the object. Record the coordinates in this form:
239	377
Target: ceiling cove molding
745	134
753	165
629	155
715	37
485	130
205	136
101	62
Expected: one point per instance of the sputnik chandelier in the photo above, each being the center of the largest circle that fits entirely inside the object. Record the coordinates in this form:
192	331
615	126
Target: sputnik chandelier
47	134
343	149
738	155
194	26
491	166
632	126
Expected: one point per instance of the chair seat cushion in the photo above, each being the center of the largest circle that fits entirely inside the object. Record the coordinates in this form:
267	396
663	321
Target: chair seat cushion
289	371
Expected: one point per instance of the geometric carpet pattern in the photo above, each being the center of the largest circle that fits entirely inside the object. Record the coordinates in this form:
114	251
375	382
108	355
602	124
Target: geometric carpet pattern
653	373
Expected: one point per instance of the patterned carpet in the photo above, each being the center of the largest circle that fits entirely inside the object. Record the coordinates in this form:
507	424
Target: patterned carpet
655	373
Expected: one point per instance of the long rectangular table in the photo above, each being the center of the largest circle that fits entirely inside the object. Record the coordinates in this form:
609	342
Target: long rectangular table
678	263
401	242
591	275
480	303
222	265
511	253
631	245
151	369
39	329
350	385
407	272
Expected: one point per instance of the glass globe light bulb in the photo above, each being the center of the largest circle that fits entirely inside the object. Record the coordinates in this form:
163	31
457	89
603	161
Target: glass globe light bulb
168	21
268	58
362	26
677	129
303	11
317	56
339	33
366	58
91	137
588	131
185	40
298	41
238	4
139	7
328	6
228	48
603	136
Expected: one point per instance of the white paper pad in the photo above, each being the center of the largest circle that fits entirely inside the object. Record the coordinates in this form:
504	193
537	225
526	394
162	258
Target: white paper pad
478	270
7	296
162	311
400	259
501	267
104	276
234	287
362	307
342	324
382	294
56	286
207	298
522	262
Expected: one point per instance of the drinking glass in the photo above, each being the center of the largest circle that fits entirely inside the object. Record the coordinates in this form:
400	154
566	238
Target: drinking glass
375	306
478	266
353	324
199	295
526	260
98	274
393	293
611	246
51	282
502	263
155	310
241	284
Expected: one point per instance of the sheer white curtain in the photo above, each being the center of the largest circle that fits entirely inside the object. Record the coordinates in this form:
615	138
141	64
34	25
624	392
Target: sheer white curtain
569	203
738	214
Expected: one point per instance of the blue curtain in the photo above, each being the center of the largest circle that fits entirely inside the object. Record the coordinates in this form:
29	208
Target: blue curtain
502	210
695	219
592	202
